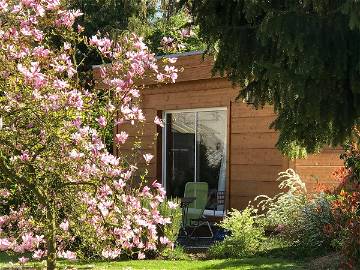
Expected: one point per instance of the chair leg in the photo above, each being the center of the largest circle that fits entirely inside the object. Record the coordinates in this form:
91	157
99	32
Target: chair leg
210	229
198	225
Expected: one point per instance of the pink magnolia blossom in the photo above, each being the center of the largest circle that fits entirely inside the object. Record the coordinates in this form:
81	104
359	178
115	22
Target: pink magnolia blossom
172	205
64	225
172	60
69	255
23	260
164	240
51	115
102	121
158	121
24	156
121	137
3	5
38	254
4	244
148	157
141	256
4	193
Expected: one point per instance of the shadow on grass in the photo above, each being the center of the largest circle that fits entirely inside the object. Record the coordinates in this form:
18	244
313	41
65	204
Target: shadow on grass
256	263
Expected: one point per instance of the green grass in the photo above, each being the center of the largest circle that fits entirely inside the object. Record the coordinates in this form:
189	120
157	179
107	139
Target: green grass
241	264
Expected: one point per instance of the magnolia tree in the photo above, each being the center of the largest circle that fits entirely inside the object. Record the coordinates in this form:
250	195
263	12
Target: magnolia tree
62	193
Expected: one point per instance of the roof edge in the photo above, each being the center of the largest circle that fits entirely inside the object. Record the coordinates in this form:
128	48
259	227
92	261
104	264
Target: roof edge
183	54
174	55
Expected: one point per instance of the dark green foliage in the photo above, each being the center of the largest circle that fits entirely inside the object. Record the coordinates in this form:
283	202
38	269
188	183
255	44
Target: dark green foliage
111	16
301	56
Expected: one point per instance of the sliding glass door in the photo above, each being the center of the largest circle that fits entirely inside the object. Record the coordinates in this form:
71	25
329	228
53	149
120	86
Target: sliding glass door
195	149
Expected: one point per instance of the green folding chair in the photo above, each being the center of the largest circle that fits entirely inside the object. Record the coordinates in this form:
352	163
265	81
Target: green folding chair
195	212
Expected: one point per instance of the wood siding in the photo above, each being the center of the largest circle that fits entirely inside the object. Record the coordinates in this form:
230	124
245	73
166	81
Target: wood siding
253	162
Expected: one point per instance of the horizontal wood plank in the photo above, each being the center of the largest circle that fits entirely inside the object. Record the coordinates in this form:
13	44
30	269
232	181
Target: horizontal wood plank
265	156
253	141
259	124
241	109
254	172
254	188
325	158
316	173
190	97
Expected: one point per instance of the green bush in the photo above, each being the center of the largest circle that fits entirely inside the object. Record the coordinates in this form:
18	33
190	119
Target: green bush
171	209
296	217
307	234
245	235
283	210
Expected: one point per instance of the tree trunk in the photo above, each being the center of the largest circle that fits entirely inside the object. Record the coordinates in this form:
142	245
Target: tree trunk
51	238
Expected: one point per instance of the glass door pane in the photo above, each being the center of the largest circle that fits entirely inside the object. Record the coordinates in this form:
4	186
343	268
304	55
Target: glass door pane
211	151
180	152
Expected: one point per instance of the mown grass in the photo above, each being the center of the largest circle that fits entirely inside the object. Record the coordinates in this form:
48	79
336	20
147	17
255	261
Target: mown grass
241	264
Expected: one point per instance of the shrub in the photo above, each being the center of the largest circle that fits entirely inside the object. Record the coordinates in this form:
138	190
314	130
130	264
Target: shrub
309	232
282	210
296	217
346	228
245	235
169	231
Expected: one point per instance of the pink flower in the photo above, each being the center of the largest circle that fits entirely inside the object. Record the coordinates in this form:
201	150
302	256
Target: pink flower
166	40
102	121
157	185
60	84
75	99
121	137
172	60
75	154
69	255
120	184
64	225
172	205
67	46
148	157
67	18
80	29
110	254
4	244
4	193
52	4
141	256
40	52
164	240
173	77
23	260
158	121
185	32
38	254
24	156
3	5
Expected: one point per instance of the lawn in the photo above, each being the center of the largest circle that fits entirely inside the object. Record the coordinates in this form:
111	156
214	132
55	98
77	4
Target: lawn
241	264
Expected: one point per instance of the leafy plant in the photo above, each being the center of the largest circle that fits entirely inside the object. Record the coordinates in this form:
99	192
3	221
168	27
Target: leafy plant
346	226
245	235
170	231
283	209
308	233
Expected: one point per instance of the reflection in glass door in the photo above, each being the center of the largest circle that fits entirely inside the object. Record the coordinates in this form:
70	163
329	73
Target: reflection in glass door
180	152
195	150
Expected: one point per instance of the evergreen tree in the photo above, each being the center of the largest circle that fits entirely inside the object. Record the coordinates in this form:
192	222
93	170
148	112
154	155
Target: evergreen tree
303	57
112	16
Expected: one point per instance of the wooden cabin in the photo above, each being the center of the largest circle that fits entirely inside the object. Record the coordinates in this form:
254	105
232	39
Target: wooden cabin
208	136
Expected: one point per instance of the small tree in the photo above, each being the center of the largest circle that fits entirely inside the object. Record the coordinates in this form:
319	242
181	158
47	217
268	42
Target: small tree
61	188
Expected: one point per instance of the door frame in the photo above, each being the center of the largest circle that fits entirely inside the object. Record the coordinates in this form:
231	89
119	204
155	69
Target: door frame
164	137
